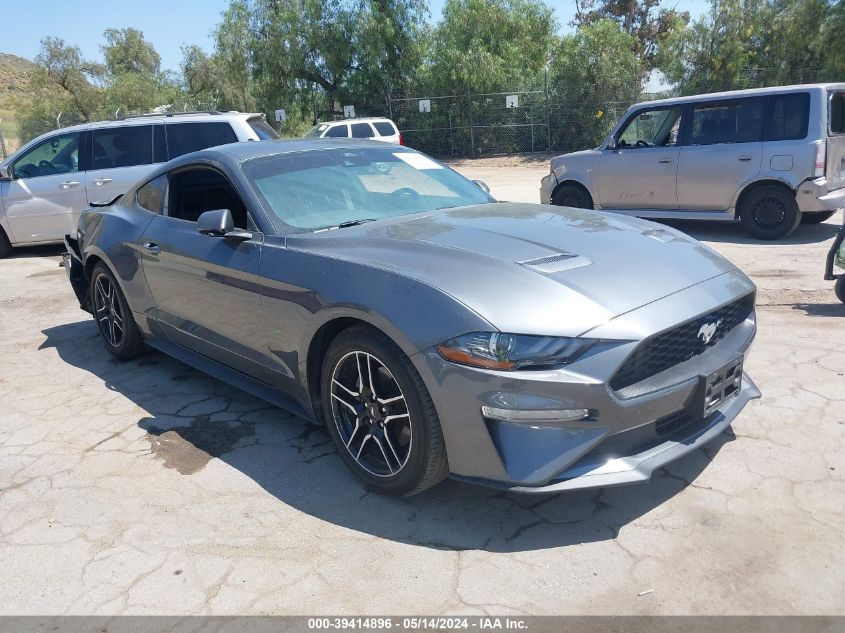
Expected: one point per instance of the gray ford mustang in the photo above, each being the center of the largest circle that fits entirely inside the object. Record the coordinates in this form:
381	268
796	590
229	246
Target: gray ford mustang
435	331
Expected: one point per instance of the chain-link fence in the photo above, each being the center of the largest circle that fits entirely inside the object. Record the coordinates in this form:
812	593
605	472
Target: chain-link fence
507	122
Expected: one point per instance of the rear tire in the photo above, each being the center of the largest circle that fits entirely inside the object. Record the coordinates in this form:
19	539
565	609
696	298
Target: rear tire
769	213
839	288
816	217
379	414
5	245
572	196
114	319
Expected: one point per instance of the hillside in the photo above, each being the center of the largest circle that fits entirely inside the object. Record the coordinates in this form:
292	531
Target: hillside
15	87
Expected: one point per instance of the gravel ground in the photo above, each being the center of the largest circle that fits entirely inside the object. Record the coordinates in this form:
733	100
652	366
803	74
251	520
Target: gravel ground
146	487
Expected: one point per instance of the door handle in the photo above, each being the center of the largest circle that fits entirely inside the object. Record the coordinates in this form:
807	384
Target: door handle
745	159
664	161
103	181
151	247
69	184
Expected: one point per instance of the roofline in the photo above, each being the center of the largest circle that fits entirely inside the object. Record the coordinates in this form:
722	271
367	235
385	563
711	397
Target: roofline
727	94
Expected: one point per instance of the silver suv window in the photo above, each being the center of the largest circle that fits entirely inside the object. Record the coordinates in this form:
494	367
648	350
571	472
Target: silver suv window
122	146
58	154
727	122
787	117
183	138
650	128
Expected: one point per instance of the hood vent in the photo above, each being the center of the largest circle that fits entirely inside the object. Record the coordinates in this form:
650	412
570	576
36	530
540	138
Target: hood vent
555	263
551	259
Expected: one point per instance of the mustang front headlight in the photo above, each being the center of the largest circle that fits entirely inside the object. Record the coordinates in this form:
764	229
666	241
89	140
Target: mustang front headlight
495	350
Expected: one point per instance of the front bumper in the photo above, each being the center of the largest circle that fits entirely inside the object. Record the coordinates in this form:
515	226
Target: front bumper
75	269
629	433
815	195
547	186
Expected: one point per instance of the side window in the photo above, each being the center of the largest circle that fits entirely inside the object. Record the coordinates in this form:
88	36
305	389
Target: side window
338	131
58	154
837	113
183	138
151	195
362	130
787	117
651	128
195	191
122	146
385	128
727	122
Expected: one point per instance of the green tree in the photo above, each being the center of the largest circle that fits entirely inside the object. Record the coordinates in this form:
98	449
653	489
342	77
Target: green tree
594	75
645	20
716	51
201	77
126	51
484	45
232	57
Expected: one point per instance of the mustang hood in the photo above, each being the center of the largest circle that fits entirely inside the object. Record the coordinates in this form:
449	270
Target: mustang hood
520	265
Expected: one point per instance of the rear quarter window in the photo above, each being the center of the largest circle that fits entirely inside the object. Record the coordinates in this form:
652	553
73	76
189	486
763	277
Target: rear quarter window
262	129
787	117
183	138
837	113
385	128
151	196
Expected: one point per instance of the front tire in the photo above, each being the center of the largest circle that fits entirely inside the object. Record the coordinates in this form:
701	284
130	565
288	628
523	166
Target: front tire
572	196
5	245
839	288
380	415
769	213
816	217
114	318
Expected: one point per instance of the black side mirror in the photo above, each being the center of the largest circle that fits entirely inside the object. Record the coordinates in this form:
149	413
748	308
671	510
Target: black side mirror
219	223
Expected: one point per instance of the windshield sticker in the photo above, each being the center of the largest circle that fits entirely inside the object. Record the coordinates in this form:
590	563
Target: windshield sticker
417	161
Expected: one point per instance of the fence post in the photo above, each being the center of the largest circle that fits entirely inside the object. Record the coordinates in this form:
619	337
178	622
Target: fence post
2	143
471	125
548	116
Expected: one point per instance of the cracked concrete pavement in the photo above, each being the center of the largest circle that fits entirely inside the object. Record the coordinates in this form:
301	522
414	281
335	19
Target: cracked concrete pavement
148	487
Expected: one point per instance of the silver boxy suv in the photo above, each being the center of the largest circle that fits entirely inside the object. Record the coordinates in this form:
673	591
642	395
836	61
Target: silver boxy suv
46	184
770	158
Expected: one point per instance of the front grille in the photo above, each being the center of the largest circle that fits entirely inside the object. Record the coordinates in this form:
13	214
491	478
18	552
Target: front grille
685	341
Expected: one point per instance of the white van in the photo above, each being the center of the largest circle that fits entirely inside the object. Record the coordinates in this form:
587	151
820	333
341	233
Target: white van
47	183
768	157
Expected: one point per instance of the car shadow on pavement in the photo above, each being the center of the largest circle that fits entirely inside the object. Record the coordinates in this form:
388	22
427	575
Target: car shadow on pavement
732	232
833	309
27	252
194	418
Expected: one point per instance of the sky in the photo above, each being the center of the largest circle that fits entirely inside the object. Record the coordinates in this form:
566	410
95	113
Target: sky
168	24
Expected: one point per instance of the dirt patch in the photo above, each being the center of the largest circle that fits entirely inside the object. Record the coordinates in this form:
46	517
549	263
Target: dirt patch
189	448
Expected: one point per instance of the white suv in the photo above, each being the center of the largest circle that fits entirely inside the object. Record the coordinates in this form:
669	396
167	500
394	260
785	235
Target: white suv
46	184
375	128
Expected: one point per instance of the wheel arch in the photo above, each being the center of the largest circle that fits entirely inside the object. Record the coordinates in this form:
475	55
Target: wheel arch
319	344
748	187
569	180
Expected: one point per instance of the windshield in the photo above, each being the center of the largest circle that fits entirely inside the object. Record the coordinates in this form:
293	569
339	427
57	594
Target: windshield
325	188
